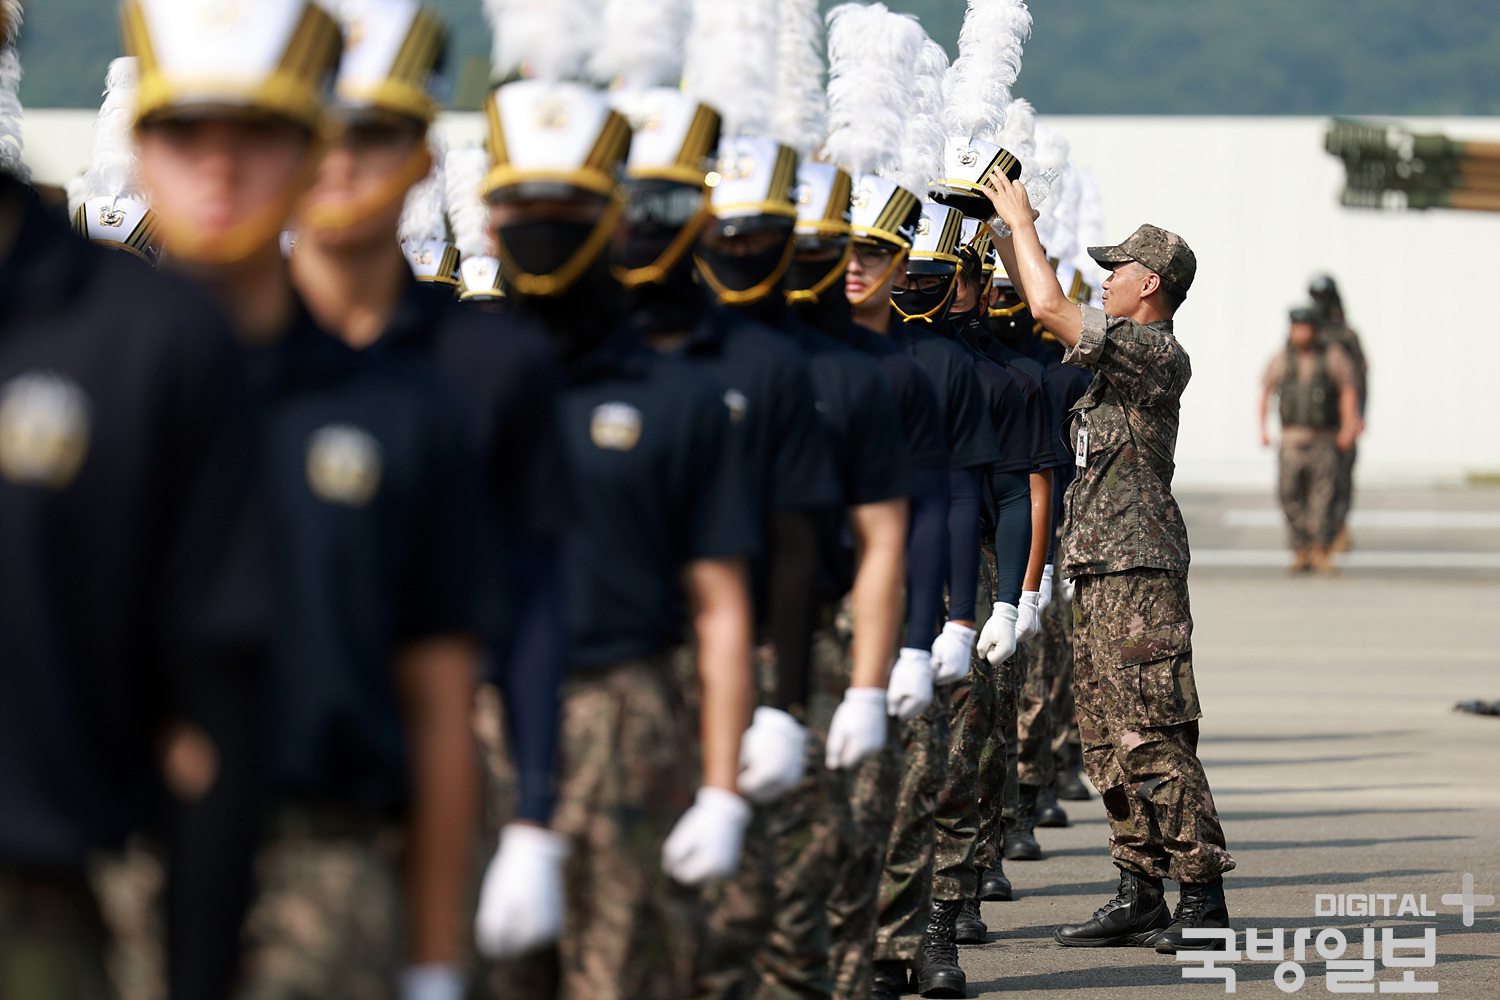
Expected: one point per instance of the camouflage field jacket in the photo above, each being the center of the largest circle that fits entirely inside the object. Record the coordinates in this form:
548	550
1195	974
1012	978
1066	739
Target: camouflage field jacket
1119	513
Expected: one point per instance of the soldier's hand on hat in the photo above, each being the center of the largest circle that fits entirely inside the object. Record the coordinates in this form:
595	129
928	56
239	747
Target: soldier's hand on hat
705	844
951	652
521	898
1009	198
997	640
1028	616
858	728
909	690
772	755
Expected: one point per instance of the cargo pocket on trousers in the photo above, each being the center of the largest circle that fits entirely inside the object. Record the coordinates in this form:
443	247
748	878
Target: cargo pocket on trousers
1162	660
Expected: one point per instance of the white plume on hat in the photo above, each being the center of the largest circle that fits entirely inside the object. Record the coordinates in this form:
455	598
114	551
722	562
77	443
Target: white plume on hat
423	217
801	116
11	146
641	43
1018	136
989	60
922	142
114	160
871	57
1051	154
468	216
542	39
730	63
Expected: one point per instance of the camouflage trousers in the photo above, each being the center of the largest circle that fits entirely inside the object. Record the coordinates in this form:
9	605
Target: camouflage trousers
1065	741
1138	717
1308	477
996	789
52	940
1343	488
1045	655
970	723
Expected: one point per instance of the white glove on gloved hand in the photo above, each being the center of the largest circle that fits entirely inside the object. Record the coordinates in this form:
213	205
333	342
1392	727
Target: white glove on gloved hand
951	651
1067	588
1046	590
1029	616
521	898
705	844
857	729
909	690
773	755
997	640
432	981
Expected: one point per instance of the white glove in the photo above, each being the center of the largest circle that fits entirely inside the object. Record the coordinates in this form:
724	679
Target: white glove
432	981
951	651
705	844
997	640
1028	616
1046	590
909	689
1066	590
521	898
773	755
857	729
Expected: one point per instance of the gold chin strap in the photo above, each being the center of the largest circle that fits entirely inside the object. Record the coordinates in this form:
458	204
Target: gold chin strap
926	317
884	277
731	297
350	213
811	295
1008	311
656	272
243	238
548	286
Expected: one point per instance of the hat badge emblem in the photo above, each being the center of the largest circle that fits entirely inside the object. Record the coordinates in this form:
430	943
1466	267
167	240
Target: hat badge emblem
221	16
924	226
551	114
645	121
423	257
111	216
734	167
343	464
861	198
44	429
802	195
737	403
967	156
615	426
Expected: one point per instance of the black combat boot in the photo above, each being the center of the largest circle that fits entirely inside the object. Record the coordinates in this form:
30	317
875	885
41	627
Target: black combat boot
994	887
935	973
1070	786
888	981
1020	840
1048	812
1200	905
1134	918
970	928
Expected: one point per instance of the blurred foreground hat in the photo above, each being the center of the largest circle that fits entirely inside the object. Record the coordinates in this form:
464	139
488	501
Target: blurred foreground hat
107	203
1155	249
392	50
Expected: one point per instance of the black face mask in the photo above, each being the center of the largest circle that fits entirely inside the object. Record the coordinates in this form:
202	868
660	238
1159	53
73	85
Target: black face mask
741	273
582	317
544	246
1015	330
675	303
831	314
915	303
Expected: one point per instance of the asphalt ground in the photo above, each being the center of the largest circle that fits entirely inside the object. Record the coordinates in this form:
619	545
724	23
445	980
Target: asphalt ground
1336	759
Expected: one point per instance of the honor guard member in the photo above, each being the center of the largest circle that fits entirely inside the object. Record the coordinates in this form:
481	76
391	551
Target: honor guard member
107	203
134	600
369	479
752	239
1317	384
378	176
1125	546
660	525
1333	328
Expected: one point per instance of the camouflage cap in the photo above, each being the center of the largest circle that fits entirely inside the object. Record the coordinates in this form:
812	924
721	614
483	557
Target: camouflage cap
1156	249
1304	314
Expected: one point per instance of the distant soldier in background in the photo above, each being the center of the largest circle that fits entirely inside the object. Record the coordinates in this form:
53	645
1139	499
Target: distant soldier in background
1332	329
1319	422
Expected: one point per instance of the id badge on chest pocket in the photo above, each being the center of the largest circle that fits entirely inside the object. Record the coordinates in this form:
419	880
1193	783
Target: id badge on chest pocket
1081	452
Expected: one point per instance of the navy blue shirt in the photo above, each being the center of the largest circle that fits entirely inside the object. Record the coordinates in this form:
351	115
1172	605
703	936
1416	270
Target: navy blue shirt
657	483
966	420
372	486
1047	450
916	396
131	557
1008	412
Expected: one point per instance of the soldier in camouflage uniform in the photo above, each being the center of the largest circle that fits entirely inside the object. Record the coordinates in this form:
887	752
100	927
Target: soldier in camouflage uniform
1125	546
1334	329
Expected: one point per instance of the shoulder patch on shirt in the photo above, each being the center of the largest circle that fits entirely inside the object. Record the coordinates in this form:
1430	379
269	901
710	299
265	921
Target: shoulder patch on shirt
44	429
615	426
737	403
343	464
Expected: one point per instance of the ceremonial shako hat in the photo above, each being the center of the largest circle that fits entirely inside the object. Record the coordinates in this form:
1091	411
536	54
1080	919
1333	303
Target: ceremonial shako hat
468	219
1155	249
121	223
883	211
432	260
107	203
753	176
543	133
479	278
934	250
967	161
392	48
672	136
822	197
268	57
423	227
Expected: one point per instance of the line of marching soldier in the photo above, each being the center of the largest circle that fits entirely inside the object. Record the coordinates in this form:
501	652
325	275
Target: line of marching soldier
697	445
